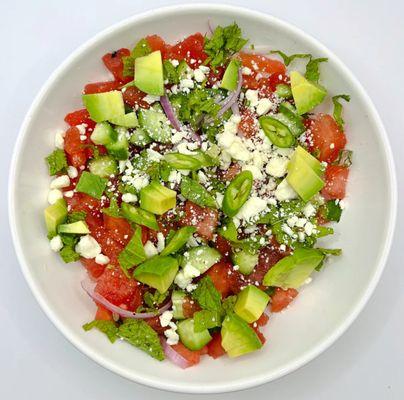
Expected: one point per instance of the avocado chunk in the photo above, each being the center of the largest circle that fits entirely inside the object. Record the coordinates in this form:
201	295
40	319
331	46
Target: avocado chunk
201	258
104	106
55	215
238	338
292	271
230	77
127	120
303	179
103	166
311	161
158	272
306	94
245	260
191	339
75	228
157	199
251	303
156	125
149	74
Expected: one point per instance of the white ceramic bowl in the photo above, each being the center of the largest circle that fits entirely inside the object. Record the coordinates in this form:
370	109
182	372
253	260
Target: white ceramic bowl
323	310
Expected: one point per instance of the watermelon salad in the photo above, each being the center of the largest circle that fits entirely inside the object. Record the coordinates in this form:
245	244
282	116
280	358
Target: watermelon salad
193	187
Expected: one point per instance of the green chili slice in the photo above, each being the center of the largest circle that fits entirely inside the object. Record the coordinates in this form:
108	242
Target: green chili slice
183	161
237	193
284	91
277	132
179	240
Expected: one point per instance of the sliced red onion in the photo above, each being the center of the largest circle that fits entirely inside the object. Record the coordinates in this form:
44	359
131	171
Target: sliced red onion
235	109
233	97
89	287
210	26
168	109
173	356
196	138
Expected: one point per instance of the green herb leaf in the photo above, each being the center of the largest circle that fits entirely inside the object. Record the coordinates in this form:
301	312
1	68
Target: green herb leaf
207	295
69	240
170	72
206	319
68	254
153	300
228	304
141	49
91	184
56	162
224	43
178	240
113	209
133	254
107	327
338	108
326	252
333	211
344	158
76	216
288	59
139	334
312	69
195	192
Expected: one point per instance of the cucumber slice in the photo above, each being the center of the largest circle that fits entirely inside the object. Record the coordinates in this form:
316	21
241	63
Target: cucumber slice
178	298
103	166
245	261
140	138
201	258
127	120
156	124
120	148
104	134
191	339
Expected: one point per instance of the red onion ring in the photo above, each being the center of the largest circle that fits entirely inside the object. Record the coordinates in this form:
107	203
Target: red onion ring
173	356
89	286
211	29
232	98
235	109
168	109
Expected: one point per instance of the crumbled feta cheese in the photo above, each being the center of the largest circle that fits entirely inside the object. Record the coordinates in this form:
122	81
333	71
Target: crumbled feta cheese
285	192
150	249
246	71
72	172
166	318
54	195
154	155
199	76
190	271
251	208
292	221
83	138
301	222
177	137
82	129
172	336
309	210
69	194
60	182
252	97
181	281
183	148
160	242
277	167
88	247
56	243
175	177
256	171
101	259
150	98
308	228
175	63
60	139
129	198
263	106
186	84
342	204
219	199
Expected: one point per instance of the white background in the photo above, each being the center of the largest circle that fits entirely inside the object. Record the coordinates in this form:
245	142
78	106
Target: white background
36	362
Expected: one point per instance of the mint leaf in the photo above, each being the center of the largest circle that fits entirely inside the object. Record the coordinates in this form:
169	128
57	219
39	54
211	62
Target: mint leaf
68	254
344	158
195	192
223	43
178	240
75	216
333	211
56	162
91	184
107	327
338	108
312	69
69	240
153	300
288	59
228	304
325	252
139	334
170	72
133	254
206	319
113	209
141	49
207	295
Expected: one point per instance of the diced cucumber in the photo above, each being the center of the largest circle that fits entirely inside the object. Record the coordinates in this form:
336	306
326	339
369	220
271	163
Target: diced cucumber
201	258
120	148
156	124
128	120
245	261
103	166
178	298
104	134
140	138
191	339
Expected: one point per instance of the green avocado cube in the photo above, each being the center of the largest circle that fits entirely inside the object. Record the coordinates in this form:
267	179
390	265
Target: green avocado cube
104	106
149	74
158	272
230	77
75	228
157	199
238	338
306	94
292	271
127	120
311	161
251	303
191	339
55	215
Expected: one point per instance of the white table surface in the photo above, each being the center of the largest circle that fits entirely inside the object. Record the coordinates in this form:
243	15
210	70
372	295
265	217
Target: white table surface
36	362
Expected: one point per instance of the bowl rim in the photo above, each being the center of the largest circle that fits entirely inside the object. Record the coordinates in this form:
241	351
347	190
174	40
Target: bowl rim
306	356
